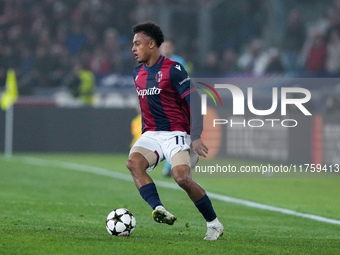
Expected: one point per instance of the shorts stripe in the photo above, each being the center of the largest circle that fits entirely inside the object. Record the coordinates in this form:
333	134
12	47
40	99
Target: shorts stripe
156	152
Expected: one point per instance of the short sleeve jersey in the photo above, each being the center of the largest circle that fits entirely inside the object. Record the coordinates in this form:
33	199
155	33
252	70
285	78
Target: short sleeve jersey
161	90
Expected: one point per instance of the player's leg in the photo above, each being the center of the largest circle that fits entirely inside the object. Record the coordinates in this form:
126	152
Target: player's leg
139	160
182	175
138	163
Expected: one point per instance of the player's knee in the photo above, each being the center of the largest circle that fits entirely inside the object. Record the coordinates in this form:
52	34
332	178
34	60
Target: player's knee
136	163
130	164
183	180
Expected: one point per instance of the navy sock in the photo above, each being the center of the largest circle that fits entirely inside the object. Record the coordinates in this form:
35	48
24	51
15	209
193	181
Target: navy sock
150	195
205	207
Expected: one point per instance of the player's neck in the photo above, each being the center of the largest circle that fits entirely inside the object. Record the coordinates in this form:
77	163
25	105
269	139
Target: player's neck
153	59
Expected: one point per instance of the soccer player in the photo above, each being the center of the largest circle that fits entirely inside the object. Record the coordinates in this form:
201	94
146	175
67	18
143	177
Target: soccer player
167	49
163	88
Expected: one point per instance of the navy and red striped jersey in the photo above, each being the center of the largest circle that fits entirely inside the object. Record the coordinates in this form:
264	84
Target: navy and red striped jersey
161	90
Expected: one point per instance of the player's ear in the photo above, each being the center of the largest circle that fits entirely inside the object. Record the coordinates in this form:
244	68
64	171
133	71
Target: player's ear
152	44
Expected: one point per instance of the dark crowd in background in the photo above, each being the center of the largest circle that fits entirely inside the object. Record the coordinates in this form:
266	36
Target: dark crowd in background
44	40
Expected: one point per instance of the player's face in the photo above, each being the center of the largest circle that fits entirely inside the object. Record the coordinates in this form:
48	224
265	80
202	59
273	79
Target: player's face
141	47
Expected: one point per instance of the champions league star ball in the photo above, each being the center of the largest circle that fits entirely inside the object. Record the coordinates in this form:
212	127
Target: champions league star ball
120	222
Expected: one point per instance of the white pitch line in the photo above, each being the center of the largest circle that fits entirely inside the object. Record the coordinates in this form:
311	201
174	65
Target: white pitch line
127	177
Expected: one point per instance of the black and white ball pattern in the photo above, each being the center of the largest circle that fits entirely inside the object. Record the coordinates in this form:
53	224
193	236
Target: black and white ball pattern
120	222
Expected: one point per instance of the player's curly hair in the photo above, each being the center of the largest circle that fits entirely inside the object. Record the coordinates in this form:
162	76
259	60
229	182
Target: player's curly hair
150	29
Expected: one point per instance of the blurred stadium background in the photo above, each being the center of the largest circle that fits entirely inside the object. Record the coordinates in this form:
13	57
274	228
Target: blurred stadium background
73	65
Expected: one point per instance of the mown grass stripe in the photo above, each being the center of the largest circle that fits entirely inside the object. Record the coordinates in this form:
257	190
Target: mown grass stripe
126	177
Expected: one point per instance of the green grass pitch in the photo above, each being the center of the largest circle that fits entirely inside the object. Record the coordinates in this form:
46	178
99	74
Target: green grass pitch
50	205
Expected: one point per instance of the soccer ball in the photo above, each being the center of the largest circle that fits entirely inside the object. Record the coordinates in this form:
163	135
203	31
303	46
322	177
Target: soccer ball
120	222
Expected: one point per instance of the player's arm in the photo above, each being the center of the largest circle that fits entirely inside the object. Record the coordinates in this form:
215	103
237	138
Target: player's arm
196	123
181	82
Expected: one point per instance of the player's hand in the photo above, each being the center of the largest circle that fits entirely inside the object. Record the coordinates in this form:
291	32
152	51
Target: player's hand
199	147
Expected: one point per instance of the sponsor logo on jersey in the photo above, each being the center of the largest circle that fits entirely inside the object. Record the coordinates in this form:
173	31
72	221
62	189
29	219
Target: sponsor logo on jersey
186	79
178	67
148	92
